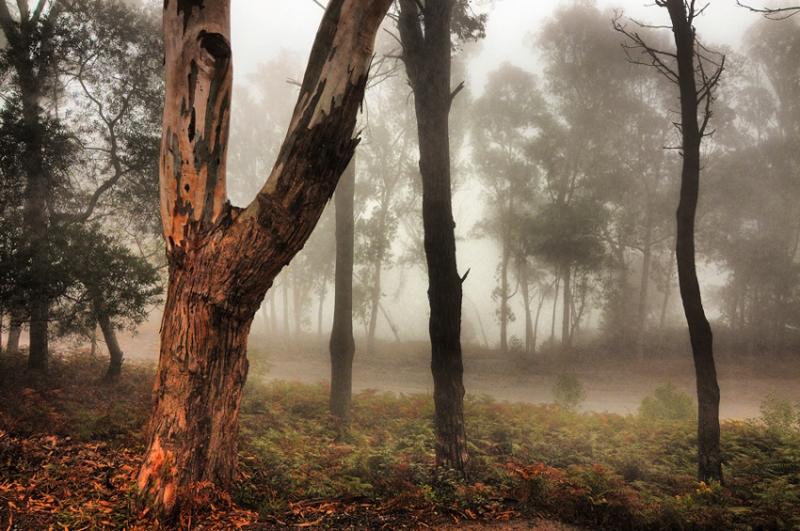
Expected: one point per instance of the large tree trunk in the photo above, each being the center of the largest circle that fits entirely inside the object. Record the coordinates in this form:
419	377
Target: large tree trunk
342	345
708	431
427	60
223	259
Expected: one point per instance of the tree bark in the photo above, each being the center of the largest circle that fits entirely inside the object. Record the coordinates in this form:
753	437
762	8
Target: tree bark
342	345
566	324
708	431
222	259
427	61
14	332
116	356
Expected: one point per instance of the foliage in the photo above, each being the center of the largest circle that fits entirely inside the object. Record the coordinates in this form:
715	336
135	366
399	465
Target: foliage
779	414
667	403
568	392
65	435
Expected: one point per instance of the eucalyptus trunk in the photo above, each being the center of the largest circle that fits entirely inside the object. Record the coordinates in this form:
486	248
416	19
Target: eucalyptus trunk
708	430
342	344
223	259
426	54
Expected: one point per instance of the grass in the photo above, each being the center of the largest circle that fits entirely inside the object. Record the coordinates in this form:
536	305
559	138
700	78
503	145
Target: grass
604	470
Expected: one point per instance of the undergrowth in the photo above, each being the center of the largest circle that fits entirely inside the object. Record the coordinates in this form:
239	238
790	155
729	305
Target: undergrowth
602	470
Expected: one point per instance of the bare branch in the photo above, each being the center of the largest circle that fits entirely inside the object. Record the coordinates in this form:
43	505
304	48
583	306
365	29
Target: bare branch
780	13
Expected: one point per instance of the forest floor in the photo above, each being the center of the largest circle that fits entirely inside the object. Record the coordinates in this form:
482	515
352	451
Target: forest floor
70	448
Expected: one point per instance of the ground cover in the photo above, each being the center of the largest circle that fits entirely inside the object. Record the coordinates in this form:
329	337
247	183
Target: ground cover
70	449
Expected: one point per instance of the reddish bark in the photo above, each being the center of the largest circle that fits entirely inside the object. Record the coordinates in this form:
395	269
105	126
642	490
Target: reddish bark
223	259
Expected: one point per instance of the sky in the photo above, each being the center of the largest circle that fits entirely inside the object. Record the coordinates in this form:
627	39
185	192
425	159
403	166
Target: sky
261	29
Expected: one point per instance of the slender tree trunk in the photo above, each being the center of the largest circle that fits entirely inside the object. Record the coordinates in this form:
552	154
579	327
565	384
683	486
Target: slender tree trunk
222	259
285	286
504	296
536	322
342	344
427	59
662	321
14	332
38	354
566	324
641	317
375	297
114	370
526	304
555	309
708	431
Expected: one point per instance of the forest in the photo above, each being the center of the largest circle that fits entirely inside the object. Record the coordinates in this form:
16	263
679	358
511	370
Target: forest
363	291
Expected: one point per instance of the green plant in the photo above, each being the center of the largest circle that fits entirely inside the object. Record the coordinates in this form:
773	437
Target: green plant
667	403
778	414
568	392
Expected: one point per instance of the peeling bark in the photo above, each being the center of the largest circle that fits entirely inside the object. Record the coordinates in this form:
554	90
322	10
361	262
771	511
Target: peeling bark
222	259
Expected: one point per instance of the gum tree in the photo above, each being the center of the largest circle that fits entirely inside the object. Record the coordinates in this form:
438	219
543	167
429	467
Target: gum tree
223	259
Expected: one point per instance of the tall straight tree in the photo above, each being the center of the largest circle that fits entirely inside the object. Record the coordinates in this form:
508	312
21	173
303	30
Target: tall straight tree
689	63
425	35
223	259
342	345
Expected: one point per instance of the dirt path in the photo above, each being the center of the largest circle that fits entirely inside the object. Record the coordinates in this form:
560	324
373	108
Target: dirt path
405	368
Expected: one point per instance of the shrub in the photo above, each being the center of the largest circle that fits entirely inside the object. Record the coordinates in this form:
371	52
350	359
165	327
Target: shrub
778	414
667	403
568	392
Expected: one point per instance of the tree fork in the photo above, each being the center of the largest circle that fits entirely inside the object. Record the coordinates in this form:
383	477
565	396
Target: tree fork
222	259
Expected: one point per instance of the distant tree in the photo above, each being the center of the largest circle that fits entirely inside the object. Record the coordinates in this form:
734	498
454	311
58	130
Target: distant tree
82	94
386	168
111	288
689	63
342	344
223	259
506	118
752	229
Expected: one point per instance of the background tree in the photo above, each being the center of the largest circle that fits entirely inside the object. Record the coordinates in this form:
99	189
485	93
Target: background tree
223	259
83	122
506	119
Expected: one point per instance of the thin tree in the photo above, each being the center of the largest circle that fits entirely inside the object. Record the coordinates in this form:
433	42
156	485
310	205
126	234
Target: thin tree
223	259
342	345
425	35
690	62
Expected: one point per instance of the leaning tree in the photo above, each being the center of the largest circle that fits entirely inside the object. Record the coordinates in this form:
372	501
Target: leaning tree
223	259
689	64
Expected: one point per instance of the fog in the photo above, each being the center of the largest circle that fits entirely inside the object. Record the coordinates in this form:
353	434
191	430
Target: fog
618	356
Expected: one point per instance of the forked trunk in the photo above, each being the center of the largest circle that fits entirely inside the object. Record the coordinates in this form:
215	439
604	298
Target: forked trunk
222	260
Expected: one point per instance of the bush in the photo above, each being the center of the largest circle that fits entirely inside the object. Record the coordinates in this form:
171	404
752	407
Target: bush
667	403
568	392
778	414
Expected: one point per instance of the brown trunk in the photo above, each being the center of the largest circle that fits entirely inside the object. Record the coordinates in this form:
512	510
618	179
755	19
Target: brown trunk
708	431
566	325
427	60
223	259
114	370
14	333
38	358
342	345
